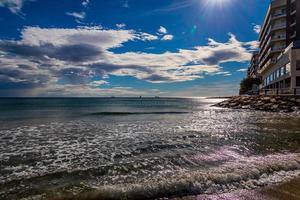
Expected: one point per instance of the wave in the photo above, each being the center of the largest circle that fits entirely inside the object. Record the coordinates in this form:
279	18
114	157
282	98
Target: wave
140	113
251	173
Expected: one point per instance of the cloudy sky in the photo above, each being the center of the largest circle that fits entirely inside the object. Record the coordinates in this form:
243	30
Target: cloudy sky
126	47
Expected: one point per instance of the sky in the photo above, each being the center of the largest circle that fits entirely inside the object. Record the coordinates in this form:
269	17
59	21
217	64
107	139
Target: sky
98	48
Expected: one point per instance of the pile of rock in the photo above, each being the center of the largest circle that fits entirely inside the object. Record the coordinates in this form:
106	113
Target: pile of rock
264	103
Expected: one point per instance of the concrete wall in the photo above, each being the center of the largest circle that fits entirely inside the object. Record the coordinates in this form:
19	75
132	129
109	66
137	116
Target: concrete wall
295	55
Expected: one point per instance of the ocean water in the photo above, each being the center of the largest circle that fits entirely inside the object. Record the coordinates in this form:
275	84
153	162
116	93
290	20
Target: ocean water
149	148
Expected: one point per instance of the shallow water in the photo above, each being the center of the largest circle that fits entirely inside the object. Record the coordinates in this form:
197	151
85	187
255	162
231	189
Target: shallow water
149	148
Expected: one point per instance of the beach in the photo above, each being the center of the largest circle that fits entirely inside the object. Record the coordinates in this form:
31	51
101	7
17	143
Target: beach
285	191
145	148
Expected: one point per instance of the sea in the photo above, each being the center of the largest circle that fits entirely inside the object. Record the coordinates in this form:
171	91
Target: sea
141	148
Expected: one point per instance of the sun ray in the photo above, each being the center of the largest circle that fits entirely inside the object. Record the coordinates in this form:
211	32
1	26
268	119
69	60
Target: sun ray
216	3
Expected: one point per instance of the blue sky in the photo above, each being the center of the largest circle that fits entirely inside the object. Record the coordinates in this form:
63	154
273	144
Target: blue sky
185	48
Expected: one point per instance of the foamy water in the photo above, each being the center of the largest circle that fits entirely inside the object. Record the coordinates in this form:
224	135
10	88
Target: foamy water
135	148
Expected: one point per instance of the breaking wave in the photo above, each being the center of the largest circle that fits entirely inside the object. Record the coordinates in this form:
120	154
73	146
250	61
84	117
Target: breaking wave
109	155
138	113
250	173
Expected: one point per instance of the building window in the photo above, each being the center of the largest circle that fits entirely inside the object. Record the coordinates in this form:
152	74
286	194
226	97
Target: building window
298	81
288	68
282	71
271	77
298	65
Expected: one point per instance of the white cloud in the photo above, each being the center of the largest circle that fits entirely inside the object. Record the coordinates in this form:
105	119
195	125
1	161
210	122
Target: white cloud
167	37
91	91
96	36
85	3
79	16
15	6
242	70
253	45
102	38
42	57
162	30
120	26
146	36
98	83
256	28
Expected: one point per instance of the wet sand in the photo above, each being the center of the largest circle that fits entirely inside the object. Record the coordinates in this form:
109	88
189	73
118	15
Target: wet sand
286	191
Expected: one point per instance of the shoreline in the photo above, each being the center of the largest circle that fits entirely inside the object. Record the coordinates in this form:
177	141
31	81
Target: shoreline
289	190
263	103
285	191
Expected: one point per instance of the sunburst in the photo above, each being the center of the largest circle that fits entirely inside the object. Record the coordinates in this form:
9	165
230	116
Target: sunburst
217	3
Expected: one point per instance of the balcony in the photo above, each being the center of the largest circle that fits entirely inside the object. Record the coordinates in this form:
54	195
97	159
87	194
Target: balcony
272	50
265	46
278	15
293	24
269	63
278	26
277	49
278	38
266	29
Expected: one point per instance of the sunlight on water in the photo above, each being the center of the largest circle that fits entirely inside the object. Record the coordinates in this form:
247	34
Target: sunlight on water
173	147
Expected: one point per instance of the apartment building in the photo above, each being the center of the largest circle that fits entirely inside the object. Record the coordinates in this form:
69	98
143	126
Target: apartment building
253	68
278	60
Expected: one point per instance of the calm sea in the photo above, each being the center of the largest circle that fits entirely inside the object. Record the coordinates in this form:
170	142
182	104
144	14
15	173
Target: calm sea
145	148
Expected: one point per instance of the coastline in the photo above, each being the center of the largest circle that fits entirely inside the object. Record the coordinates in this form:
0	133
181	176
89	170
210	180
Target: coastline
284	191
263	103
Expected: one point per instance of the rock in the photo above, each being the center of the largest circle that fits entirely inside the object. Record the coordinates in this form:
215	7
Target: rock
246	107
295	108
264	103
275	107
266	98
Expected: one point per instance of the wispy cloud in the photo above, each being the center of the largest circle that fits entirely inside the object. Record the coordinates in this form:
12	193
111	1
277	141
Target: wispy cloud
98	83
162	30
242	70
85	3
167	37
120	26
15	6
79	16
256	28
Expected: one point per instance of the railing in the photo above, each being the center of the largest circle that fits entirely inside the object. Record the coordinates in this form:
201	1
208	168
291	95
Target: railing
279	37
269	62
280	91
277	48
278	14
283	25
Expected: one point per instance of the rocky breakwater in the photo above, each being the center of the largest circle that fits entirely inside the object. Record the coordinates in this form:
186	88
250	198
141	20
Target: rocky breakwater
263	103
